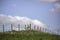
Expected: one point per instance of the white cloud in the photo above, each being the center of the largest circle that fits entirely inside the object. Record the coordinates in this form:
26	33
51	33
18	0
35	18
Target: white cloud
56	5
47	0
56	8
7	19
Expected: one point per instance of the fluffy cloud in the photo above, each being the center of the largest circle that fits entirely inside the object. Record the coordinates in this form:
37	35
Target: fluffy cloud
47	0
7	19
56	8
56	5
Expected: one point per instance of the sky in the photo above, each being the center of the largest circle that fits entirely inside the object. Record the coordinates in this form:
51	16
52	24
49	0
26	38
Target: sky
46	11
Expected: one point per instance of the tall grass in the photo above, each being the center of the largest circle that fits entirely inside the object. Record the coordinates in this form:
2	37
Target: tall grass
28	35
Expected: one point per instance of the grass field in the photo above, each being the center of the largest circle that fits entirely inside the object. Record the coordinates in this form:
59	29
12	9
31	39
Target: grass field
28	35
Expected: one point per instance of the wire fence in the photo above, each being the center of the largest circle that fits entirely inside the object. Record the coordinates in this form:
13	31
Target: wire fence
18	27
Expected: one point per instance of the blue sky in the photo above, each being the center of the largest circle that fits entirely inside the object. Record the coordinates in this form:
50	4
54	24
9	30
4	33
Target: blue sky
32	9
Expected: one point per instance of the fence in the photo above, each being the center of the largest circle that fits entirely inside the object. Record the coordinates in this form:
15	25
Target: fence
18	27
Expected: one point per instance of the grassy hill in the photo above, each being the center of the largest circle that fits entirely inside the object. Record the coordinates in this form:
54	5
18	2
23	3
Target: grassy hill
28	35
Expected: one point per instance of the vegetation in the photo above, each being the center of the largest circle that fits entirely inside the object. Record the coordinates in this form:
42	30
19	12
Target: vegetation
28	35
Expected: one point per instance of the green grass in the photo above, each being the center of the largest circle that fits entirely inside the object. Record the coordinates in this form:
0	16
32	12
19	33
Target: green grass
28	35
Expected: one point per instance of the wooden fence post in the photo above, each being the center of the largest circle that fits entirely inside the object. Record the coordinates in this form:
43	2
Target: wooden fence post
11	27
25	27
3	27
37	28
30	26
34	27
18	27
40	28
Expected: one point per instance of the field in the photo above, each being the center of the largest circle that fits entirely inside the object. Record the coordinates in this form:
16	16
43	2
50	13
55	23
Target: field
28	35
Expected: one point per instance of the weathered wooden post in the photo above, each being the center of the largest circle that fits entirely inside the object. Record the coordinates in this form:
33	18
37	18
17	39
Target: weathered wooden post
18	27
3	27
37	28
40	28
58	31
25	27
45	29
11	27
30	26
34	27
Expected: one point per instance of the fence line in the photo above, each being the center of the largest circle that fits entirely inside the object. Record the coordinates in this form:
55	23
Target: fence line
26	27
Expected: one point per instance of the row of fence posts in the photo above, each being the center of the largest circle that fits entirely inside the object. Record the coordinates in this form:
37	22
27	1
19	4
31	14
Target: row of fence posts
27	27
